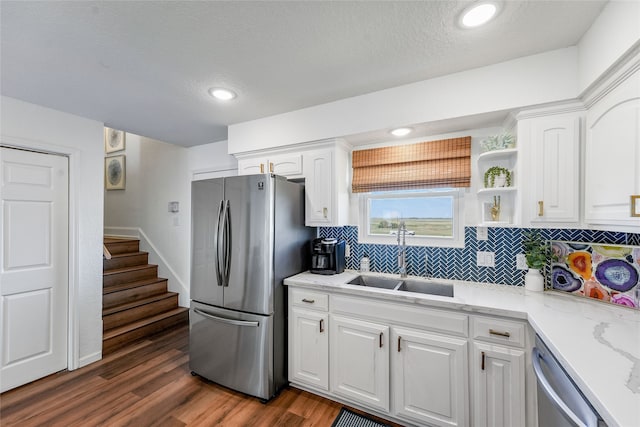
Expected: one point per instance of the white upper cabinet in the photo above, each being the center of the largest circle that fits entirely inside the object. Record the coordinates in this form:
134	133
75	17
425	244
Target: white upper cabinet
326	186
612	162
289	165
550	147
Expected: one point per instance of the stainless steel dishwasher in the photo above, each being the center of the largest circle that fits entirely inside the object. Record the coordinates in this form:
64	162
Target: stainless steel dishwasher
560	403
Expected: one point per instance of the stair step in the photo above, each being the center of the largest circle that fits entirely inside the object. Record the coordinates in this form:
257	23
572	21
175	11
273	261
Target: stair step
135	273
128	259
121	246
137	310
123	335
131	291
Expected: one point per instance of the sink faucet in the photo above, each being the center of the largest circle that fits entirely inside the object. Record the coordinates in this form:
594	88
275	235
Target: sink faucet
402	249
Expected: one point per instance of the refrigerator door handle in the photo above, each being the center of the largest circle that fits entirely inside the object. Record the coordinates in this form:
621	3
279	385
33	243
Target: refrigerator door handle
217	243
226	244
228	321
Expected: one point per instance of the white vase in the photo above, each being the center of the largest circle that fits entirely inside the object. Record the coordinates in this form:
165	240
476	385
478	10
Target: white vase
534	281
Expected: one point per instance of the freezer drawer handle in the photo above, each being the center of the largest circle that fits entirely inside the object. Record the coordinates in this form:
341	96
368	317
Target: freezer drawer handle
550	392
229	321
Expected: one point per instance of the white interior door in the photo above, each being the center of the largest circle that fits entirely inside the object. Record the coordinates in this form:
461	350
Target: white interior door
34	192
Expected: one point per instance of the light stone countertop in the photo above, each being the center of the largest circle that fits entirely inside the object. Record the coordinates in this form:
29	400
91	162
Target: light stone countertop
597	344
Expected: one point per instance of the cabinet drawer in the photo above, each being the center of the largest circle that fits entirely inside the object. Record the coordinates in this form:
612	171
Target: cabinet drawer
442	321
498	331
308	299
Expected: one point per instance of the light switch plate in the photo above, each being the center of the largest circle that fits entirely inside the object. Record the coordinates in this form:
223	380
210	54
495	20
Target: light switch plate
482	233
521	262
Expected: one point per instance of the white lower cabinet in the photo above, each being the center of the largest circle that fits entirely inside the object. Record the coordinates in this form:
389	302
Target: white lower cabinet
499	391
411	363
359	359
309	358
430	377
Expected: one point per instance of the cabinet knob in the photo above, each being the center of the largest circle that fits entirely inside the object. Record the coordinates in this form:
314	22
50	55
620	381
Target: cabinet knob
540	208
271	167
261	167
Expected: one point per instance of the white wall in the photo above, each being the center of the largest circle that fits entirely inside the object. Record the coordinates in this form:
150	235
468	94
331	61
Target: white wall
207	158
547	77
156	173
43	129
614	32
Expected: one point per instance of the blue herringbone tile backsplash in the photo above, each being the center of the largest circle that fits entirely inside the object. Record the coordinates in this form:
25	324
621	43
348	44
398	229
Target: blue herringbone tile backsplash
460	264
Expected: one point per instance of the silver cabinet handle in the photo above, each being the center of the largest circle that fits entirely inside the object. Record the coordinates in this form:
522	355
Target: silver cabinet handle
228	321
546	387
501	334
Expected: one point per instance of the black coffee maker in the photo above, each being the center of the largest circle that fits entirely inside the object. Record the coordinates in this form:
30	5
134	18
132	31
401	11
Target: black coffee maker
327	256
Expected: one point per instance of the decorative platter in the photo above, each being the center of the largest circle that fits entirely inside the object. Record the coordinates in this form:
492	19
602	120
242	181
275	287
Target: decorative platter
610	273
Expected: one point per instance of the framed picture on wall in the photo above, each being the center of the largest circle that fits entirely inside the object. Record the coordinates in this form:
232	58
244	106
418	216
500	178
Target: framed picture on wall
114	172
113	140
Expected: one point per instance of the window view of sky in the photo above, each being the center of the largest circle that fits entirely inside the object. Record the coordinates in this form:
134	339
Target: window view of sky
415	207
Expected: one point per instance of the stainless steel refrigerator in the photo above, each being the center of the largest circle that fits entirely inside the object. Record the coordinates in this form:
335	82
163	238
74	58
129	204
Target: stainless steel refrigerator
247	235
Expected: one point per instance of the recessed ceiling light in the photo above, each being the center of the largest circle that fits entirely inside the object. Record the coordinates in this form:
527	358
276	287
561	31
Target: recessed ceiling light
222	94
401	131
478	14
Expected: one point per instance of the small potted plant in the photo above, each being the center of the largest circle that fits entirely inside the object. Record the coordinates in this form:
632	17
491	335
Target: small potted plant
538	254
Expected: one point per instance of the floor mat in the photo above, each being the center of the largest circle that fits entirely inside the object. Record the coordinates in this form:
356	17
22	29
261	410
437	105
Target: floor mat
347	418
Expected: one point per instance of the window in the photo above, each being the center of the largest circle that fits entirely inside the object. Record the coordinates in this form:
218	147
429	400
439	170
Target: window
432	217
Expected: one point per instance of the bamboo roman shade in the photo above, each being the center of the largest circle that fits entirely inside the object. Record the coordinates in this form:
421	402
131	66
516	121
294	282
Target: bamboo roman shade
433	164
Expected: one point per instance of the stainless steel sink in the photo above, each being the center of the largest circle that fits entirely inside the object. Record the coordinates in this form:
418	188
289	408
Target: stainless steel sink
376	282
406	285
442	289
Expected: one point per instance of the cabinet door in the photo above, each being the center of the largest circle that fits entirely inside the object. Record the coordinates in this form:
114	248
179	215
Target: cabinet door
556	144
360	361
430	379
612	164
499	387
319	187
309	348
252	166
289	165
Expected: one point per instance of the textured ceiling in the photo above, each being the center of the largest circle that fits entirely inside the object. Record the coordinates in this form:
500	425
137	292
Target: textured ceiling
145	66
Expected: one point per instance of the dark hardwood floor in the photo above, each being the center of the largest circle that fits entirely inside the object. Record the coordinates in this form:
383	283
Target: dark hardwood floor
149	383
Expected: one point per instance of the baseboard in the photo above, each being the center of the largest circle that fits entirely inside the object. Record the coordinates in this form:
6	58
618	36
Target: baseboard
122	232
89	359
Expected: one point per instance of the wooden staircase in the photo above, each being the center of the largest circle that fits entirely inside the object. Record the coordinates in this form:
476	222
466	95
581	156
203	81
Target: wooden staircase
135	301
